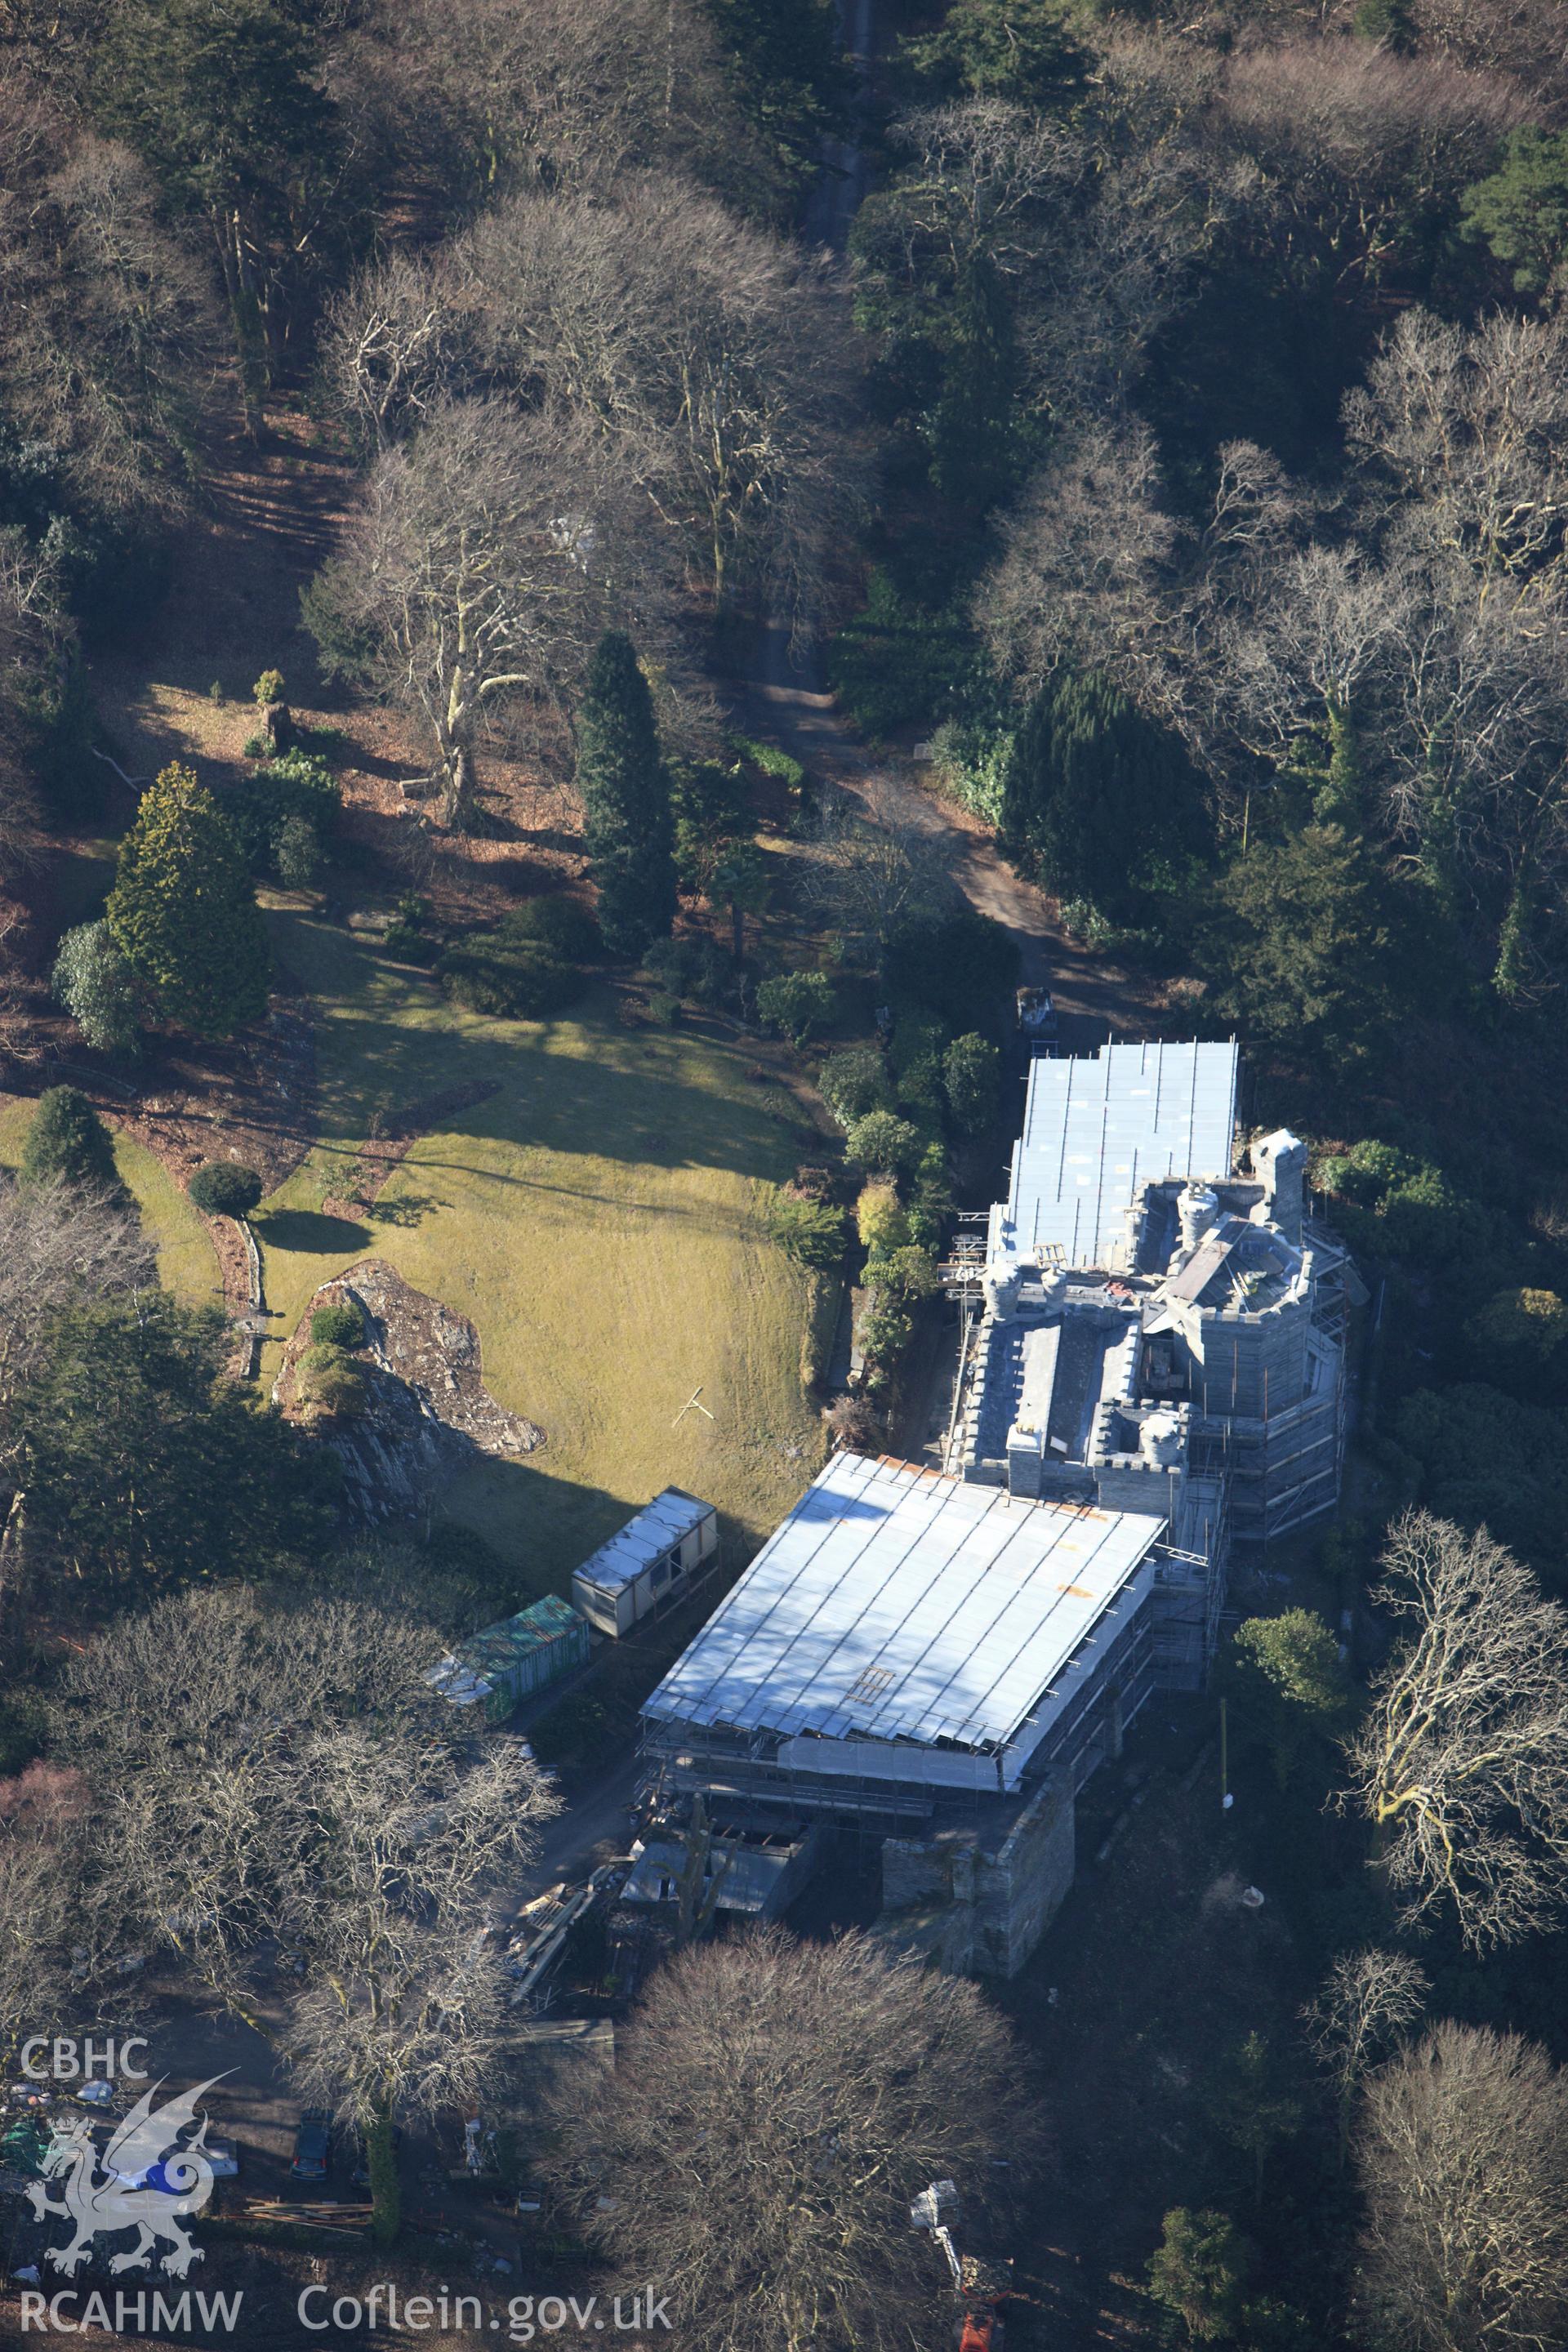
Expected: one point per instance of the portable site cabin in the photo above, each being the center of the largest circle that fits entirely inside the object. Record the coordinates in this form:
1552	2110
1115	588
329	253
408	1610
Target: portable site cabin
509	1661
655	1557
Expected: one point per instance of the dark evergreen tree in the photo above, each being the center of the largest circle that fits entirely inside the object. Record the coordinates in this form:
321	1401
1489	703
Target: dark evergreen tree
1387	21
1522	210
629	830
1301	950
69	1142
973	431
1028	51
143	1459
1096	796
183	912
790	76
223	100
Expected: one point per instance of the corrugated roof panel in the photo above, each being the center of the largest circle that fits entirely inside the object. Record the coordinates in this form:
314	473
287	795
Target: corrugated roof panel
894	1604
1097	1129
656	1528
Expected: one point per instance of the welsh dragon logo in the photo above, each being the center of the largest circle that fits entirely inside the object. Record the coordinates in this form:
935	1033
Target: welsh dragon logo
144	2180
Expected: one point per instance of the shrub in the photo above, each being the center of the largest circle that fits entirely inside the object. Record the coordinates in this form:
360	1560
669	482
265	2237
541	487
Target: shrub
795	1002
1396	1205
689	967
812	1232
92	980
564	926
268	687
225	1188
932	1198
908	1273
773	760
339	1324
297	851
488	975
68	1142
971	1080
270	804
409	944
915	1052
853	1082
962	967
885	1330
883	1142
881	1220
332	1381
1517	1339
664	1008
1494	1461
973	765
898	664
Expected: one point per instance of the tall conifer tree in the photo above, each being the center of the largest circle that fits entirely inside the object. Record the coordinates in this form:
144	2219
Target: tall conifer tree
625	799
183	912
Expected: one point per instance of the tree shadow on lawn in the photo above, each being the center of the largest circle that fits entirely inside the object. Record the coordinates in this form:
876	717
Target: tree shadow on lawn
382	1047
310	1231
576	1105
539	1525
408	1210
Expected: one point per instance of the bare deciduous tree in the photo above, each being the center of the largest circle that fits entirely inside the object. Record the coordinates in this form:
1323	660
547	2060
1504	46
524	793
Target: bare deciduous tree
557	93
714	363
1352	144
1461	1764
776	2107
1369	1998
58	1245
403	1998
394	347
484	563
876	865
287	1774
34	635
1462	2149
41	1815
1092	229
120	329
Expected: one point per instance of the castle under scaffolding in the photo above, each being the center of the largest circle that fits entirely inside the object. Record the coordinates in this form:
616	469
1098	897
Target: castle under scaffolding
1152	1368
1153	1330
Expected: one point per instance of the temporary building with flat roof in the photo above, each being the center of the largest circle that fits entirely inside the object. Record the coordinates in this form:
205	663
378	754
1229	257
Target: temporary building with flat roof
1097	1129
903	1624
650	1560
505	1663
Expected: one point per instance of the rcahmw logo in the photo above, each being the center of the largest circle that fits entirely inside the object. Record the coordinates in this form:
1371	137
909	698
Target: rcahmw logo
145	2180
153	2314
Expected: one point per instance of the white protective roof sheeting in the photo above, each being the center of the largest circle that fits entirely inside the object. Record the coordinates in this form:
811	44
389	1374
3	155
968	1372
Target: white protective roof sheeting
896	1604
886	1759
1097	1130
655	1529
1065	1689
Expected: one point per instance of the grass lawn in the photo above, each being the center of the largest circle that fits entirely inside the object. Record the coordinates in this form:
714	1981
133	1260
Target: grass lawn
186	1262
596	1219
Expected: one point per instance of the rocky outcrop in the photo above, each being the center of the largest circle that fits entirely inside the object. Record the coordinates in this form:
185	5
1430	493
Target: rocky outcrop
427	1411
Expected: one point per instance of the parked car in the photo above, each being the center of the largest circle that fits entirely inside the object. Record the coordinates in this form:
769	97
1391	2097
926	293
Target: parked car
313	2146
